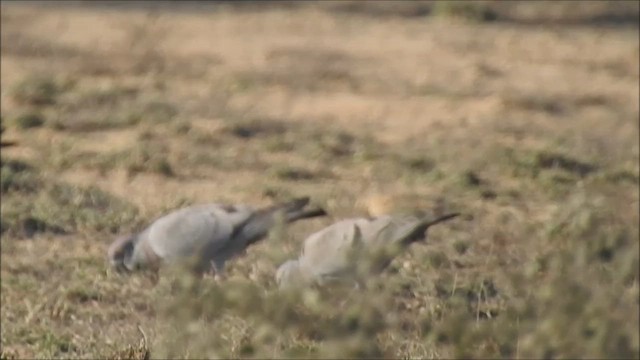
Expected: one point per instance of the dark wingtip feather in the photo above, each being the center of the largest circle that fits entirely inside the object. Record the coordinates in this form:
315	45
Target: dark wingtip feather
297	203
444	218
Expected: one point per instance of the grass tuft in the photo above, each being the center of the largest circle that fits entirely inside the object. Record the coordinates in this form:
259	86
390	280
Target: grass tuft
38	90
474	11
28	119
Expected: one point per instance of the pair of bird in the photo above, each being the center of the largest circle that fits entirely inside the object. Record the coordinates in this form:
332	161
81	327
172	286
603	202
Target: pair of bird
212	234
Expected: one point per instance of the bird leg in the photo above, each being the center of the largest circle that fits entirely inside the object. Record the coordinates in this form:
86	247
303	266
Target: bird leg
216	272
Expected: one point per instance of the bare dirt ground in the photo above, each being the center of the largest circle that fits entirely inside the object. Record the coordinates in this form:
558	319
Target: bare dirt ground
523	116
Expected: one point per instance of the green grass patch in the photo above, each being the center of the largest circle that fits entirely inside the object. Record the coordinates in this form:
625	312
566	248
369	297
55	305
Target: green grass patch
33	203
28	119
38	90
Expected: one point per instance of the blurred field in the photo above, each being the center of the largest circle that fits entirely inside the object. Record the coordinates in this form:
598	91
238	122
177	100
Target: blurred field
521	115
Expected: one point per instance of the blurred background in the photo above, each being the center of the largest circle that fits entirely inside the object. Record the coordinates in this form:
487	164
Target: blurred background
523	115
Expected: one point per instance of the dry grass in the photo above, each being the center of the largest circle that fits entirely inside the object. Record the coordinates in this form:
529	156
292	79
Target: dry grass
523	116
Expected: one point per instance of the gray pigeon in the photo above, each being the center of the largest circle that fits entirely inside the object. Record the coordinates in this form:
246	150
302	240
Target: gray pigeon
354	247
211	234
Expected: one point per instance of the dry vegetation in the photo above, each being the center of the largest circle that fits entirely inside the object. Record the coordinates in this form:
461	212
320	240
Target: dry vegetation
524	116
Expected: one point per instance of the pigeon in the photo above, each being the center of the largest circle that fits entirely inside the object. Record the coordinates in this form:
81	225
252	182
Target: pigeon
210	234
353	248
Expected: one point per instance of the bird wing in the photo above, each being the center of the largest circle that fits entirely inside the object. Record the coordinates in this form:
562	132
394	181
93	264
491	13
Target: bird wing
328	252
195	230
386	229
380	236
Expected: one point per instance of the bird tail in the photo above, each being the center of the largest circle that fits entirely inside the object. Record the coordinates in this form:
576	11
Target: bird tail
441	219
416	231
293	210
259	224
301	214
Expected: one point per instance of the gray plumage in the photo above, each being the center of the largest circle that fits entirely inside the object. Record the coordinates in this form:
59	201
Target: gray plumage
354	247
211	234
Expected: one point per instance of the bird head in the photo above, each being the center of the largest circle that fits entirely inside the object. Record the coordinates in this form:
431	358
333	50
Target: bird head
120	252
